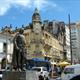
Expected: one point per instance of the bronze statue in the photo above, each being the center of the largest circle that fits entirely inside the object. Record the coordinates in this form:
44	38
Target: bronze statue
19	51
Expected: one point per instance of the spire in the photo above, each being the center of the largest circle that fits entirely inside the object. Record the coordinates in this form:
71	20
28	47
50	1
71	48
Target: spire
36	11
36	16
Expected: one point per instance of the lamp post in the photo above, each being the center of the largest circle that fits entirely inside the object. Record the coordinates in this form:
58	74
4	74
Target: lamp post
70	40
6	49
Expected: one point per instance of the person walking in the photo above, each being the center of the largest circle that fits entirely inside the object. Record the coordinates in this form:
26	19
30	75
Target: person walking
59	70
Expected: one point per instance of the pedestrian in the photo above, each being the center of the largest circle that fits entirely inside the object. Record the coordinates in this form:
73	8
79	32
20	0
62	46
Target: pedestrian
59	70
55	72
55	68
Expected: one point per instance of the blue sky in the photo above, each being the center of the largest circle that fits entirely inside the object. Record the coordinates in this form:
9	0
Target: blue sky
19	12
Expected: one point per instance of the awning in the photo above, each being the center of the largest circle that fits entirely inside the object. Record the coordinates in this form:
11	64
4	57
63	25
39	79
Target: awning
64	63
40	60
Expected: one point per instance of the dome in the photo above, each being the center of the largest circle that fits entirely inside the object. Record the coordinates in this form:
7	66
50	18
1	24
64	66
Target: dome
36	16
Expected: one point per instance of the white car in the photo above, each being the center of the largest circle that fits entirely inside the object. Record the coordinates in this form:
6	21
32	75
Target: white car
1	74
41	71
70	72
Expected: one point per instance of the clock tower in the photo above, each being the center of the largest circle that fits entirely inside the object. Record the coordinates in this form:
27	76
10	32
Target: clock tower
36	21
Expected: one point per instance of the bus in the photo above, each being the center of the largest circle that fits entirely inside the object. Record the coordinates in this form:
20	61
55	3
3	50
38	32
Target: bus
38	63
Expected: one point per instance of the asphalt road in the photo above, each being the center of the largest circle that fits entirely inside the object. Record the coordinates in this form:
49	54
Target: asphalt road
55	79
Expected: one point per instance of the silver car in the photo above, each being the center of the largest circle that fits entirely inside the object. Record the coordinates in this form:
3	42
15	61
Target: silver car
42	71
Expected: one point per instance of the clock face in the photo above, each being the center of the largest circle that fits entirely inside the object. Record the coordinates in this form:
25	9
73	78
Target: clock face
37	28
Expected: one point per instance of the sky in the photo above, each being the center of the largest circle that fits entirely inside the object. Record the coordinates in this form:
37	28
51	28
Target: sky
19	12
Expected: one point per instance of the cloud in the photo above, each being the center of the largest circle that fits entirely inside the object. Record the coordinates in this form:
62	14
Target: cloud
5	5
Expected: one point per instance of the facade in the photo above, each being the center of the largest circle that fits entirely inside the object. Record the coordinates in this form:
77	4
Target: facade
6	45
78	36
67	33
75	42
57	30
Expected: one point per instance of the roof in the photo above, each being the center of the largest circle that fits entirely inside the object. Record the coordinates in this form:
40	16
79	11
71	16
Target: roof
73	66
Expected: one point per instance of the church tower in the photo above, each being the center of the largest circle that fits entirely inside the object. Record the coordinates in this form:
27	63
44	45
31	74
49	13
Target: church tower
36	21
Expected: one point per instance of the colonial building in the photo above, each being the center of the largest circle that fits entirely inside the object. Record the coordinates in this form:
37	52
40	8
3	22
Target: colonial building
57	30
6	44
40	43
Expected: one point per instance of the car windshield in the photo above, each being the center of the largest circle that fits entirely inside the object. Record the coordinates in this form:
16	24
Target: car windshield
36	69
44	69
69	70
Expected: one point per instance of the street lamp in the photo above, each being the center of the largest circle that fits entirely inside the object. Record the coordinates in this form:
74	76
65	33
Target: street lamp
70	40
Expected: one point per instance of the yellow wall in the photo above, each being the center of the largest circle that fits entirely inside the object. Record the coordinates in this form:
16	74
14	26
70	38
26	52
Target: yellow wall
42	42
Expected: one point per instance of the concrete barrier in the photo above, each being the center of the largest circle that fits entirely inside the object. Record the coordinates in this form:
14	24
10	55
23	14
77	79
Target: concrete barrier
17	75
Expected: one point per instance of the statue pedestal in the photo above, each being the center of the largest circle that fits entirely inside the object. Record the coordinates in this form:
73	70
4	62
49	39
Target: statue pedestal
19	75
14	75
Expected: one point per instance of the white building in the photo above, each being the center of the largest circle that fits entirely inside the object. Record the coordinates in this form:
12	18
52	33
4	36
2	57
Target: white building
67	33
6	46
78	37
75	42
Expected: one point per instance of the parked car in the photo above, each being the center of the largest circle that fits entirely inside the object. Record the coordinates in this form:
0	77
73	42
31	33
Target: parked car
70	72
42	71
1	73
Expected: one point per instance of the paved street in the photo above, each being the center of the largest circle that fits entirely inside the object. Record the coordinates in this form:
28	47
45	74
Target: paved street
55	79
52	79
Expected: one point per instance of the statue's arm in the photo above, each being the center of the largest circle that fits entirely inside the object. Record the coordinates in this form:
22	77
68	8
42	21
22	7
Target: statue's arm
24	41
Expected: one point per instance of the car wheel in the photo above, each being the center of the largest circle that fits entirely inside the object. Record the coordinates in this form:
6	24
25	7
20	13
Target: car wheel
41	77
46	78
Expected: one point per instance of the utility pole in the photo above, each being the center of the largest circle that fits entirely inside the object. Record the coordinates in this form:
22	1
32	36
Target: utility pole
70	40
6	45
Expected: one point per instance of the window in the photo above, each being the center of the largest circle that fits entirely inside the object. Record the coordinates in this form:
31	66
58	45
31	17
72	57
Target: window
46	35
69	70
44	69
5	47
36	69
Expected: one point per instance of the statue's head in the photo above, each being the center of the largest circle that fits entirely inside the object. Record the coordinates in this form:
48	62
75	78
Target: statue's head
21	31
